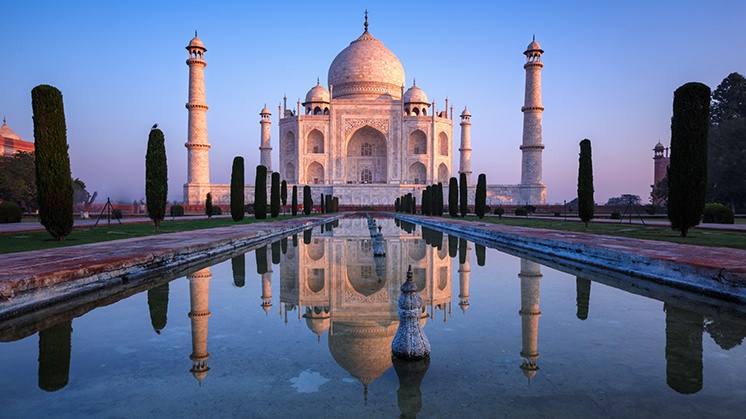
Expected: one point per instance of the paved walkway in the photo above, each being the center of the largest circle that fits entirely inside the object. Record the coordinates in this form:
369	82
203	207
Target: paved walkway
28	226
653	223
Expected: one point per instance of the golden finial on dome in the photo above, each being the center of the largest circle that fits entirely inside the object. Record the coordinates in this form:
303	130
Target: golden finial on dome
366	20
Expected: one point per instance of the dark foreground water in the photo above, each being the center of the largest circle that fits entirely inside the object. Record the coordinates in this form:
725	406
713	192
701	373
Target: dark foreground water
304	328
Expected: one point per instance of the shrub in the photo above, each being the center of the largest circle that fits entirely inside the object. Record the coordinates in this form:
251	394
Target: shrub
718	214
521	211
616	215
10	212
116	214
557	214
530	209
177	211
216	210
209	209
249	208
651	209
53	185
499	211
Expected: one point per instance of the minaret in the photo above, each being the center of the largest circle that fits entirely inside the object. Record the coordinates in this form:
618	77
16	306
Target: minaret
465	149
265	148
198	166
661	161
533	190
464	272
530	286
199	296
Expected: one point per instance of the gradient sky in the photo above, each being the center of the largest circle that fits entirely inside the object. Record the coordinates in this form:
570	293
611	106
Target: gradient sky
609	75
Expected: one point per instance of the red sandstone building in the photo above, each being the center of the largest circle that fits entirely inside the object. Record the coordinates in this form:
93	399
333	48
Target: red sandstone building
11	143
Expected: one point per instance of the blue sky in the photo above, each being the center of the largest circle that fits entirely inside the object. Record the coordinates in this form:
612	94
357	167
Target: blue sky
610	72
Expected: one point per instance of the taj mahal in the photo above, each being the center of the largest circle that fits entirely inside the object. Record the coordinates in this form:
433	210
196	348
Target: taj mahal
366	138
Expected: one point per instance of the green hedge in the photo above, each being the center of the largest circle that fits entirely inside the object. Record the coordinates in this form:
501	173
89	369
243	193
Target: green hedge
10	212
718	214
177	211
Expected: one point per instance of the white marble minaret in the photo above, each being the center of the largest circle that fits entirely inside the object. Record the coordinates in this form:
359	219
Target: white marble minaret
530	286
533	190
199	298
198	166
265	148
465	149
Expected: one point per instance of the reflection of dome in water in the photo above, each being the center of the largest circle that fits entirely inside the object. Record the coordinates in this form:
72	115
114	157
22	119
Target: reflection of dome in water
364	349
318	319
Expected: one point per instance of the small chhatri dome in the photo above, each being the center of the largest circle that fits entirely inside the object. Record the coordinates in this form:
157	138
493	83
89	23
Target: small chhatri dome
196	42
465	113
533	46
318	94
415	95
6	132
367	69
659	146
265	111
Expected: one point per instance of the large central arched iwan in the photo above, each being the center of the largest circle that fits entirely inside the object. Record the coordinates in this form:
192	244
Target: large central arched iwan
366	157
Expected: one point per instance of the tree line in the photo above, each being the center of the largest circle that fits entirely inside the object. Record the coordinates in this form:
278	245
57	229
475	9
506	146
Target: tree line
431	202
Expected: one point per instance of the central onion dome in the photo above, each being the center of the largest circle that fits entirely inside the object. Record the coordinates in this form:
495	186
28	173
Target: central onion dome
366	69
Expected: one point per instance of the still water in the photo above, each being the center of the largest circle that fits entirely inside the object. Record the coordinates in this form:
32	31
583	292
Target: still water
304	327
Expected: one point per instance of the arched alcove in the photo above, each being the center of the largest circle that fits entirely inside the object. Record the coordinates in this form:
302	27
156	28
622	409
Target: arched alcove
417	173
315	173
315	142
443	143
443	174
367	150
417	142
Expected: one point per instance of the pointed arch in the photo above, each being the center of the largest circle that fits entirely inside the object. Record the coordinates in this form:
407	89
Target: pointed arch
417	142
443	143
315	173
289	174
367	150
315	142
417	173
443	174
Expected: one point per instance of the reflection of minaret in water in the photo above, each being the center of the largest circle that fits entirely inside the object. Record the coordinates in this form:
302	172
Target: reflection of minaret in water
464	271
683	349
199	297
54	356
267	291
530	286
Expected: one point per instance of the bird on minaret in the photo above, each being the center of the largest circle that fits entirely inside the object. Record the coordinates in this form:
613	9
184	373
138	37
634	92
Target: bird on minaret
155	126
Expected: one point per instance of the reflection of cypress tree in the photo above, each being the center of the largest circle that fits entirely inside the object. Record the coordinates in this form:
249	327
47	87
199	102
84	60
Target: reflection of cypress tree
427	235
396	221
461	251
481	254
409	395
284	245
307	236
683	349
726	333
329	226
452	246
336	222
238	264
261	260
438	238
583	296
158	306
295	240
276	252
54	356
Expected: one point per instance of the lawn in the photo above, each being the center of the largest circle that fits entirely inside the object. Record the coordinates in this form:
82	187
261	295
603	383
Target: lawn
695	236
21	242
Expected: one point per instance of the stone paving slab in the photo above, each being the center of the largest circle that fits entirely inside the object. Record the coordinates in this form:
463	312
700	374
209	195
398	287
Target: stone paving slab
36	270
716	271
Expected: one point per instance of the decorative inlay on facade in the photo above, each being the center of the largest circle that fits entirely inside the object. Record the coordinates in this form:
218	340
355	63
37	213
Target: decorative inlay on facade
379	124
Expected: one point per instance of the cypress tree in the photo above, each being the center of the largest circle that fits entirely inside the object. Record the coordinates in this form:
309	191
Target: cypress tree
414	205
687	171
425	207
439	200
480	197
237	188
294	201
208	205
53	179
260	193
463	195
322	204
329	205
396	204
453	197
307	200
275	195
585	182
335	204
284	192
156	177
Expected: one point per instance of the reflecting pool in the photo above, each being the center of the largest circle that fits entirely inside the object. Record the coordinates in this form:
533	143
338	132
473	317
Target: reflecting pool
304	327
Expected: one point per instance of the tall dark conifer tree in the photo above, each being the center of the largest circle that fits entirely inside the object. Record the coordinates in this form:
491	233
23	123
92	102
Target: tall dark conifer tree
53	179
237	188
453	197
260	193
307	200
585	182
687	171
463	195
156	177
480	197
275	195
294	201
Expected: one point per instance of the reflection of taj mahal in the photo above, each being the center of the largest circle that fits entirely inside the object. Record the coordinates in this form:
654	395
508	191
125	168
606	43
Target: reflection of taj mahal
366	139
